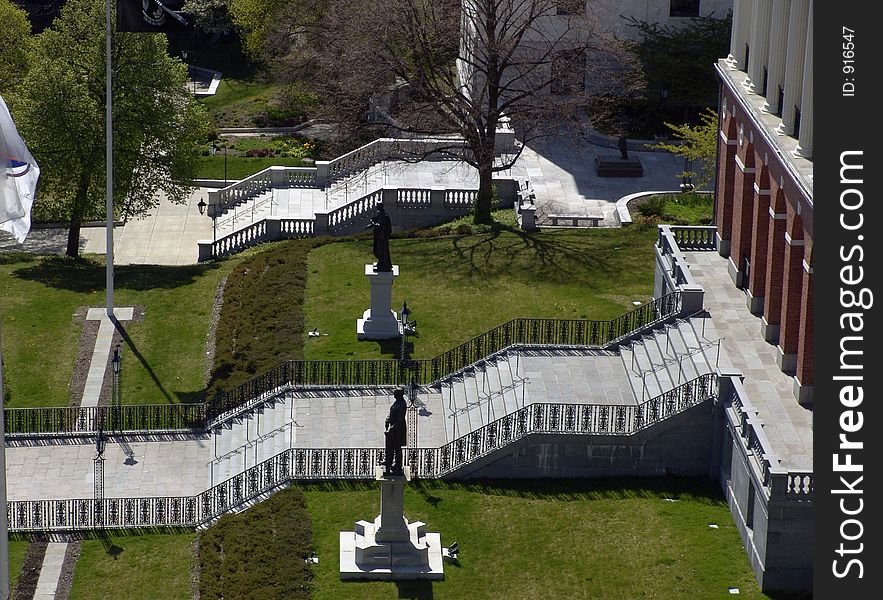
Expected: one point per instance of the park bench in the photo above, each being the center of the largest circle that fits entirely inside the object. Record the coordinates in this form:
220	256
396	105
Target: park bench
575	219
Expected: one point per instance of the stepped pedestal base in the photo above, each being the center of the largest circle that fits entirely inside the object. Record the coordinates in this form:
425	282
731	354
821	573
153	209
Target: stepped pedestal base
379	322
390	548
616	166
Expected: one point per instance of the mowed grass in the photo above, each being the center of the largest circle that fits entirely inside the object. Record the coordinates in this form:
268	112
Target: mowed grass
135	567
459	286
17	551
542	539
164	356
240	167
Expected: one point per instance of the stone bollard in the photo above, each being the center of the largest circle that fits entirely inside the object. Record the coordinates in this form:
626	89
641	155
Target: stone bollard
528	217
205	250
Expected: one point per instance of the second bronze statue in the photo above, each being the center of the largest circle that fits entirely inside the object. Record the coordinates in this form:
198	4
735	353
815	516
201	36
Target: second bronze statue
382	227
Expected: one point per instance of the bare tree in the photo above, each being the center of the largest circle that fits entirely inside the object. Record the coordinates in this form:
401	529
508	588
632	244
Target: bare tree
469	66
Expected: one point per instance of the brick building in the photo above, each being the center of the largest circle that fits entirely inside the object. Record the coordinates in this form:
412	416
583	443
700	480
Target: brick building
763	198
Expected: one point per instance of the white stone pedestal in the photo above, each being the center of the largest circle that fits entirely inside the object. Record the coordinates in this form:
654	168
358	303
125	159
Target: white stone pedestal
391	548
379	322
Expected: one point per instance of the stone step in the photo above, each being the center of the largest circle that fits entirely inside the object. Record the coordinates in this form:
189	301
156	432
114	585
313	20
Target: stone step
490	398
455	421
508	389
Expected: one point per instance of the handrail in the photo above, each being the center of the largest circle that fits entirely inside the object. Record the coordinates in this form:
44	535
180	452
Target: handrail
353	464
83	420
390	372
309	373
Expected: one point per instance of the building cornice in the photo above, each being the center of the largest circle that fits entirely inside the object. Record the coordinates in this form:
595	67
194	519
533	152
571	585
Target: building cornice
765	124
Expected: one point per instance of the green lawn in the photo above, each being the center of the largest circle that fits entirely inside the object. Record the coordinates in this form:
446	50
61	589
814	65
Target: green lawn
604	539
17	551
240	167
134	567
164	358
458	286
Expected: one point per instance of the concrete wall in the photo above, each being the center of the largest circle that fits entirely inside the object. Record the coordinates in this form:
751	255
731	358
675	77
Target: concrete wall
777	533
681	445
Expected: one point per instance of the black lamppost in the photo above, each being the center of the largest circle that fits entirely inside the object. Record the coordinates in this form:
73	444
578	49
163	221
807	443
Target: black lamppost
116	393
687	181
405	315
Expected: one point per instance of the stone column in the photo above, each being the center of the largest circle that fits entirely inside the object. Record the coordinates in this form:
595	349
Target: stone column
804	146
739	37
760	44
778	48
797	22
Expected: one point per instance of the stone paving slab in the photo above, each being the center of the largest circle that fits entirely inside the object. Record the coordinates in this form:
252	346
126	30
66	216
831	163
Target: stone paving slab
157	468
787	424
50	571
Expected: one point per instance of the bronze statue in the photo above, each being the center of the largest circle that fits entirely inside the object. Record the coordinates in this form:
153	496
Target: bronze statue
396	434
623	147
382	227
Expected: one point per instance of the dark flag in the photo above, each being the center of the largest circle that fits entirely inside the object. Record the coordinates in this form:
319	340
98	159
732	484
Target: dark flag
152	16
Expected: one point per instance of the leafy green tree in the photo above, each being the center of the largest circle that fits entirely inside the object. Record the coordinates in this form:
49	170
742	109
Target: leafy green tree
271	30
698	143
60	112
678	61
15	46
212	16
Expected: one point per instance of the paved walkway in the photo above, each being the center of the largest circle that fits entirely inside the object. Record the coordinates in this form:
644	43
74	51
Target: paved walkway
50	572
561	170
788	425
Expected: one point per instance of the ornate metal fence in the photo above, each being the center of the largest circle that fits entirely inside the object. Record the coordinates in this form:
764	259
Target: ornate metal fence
141	418
517	332
354	464
368	373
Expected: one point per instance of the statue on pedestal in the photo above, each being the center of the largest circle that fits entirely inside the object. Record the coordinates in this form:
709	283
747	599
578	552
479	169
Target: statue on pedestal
396	434
623	147
382	227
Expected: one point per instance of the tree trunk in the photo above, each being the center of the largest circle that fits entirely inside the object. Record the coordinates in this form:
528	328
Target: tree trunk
485	198
77	210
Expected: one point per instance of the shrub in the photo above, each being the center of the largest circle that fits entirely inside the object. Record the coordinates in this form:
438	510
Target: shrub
654	207
259	553
253	336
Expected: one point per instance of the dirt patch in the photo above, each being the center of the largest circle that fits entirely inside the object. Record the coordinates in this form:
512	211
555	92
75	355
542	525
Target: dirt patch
30	570
210	336
194	569
66	579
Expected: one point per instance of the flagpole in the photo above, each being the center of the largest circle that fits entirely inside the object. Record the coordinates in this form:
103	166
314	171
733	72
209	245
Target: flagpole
109	160
5	592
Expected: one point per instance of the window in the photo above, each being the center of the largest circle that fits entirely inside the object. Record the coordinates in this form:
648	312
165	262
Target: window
570	7
568	73
796	122
684	8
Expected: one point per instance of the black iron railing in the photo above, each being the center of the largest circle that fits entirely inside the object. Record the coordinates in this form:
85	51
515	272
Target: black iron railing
354	464
388	372
368	373
140	418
